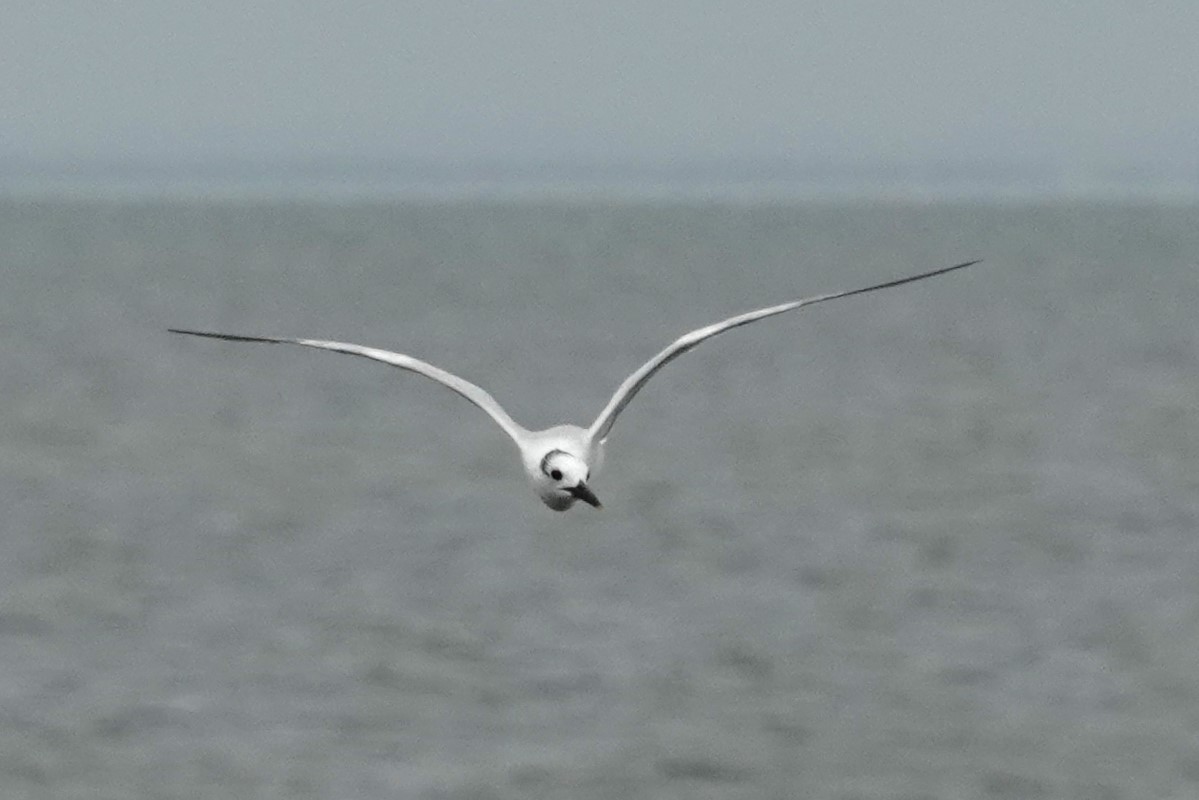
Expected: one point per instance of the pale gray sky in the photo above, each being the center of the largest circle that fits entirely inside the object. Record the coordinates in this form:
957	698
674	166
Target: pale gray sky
622	81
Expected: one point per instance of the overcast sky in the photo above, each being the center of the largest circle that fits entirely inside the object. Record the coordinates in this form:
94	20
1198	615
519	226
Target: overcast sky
1098	82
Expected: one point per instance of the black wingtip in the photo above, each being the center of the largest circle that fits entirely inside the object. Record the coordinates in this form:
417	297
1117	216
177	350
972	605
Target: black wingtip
900	281
229	337
963	265
189	332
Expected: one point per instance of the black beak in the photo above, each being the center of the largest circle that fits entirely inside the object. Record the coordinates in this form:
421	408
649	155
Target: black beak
581	492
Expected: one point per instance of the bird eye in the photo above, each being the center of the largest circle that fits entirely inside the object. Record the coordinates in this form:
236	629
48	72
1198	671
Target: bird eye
556	474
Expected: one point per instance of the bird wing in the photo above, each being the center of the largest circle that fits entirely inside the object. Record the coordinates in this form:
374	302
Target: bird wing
463	387
632	384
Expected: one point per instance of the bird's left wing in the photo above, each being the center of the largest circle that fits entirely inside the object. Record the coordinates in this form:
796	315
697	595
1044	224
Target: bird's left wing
632	384
460	385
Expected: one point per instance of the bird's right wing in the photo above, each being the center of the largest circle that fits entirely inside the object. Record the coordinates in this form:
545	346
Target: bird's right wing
463	387
632	384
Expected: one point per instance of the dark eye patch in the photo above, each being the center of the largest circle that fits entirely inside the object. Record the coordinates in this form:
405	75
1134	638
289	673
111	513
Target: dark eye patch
545	462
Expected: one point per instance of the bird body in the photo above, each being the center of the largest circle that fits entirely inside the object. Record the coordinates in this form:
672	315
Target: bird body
560	461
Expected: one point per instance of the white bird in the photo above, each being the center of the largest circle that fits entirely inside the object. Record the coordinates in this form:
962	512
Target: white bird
560	461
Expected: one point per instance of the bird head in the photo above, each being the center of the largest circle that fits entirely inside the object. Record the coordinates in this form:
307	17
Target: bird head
563	479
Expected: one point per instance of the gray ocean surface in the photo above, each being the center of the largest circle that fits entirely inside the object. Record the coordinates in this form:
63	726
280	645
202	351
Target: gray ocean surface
940	542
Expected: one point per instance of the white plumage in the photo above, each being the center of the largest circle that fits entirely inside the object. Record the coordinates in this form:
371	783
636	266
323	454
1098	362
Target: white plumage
560	461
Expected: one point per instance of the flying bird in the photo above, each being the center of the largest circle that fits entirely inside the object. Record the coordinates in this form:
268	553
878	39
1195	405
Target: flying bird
560	461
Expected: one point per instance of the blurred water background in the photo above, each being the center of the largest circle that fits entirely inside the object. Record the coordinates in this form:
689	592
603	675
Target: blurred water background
933	543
